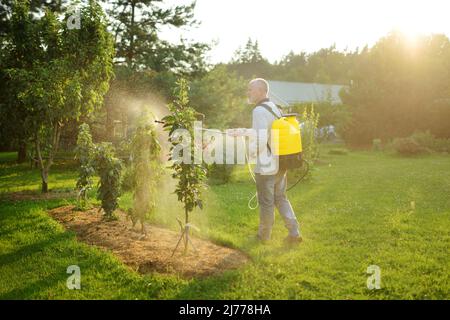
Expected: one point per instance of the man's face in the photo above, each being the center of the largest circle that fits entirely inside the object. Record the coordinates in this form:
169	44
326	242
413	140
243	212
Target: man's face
254	93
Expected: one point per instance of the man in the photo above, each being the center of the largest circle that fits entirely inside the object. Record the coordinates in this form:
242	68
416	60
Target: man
271	181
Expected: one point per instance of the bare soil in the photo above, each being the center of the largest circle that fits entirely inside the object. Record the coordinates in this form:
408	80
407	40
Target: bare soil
151	253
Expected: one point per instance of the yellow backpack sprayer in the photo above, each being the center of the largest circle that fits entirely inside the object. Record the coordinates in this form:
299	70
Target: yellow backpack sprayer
286	144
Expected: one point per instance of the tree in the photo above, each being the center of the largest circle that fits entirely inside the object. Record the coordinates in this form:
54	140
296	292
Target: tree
396	86
109	169
143	59
37	7
187	171
249	54
84	154
220	96
12	124
328	65
68	78
136	25
292	67
20	46
248	62
145	171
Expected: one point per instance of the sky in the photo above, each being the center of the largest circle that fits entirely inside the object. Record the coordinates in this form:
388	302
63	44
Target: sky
308	25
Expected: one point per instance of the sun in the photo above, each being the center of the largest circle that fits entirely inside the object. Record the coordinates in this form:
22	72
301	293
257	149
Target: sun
411	18
410	31
411	37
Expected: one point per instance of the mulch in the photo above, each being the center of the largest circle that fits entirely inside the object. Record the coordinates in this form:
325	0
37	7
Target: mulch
151	253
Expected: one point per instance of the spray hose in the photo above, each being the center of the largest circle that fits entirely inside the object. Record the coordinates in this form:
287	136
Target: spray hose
254	198
252	174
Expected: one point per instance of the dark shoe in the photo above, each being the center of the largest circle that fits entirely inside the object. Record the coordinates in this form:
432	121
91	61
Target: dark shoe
293	240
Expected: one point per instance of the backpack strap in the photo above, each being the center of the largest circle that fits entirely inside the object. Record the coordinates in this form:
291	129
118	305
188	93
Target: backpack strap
265	106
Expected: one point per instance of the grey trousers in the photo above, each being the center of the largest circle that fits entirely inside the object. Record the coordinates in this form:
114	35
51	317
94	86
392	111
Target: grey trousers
271	191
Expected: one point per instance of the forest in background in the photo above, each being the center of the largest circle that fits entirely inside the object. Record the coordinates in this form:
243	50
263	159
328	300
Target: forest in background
394	88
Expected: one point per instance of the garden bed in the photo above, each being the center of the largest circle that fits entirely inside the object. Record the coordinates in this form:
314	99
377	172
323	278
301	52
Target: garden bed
152	253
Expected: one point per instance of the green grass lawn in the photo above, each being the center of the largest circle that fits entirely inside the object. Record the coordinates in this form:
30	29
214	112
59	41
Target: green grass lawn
356	211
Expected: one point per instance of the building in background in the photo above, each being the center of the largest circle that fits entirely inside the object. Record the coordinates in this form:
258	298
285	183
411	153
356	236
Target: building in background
285	93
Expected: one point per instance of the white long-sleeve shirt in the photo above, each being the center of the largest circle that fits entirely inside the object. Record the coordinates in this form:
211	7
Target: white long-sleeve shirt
262	119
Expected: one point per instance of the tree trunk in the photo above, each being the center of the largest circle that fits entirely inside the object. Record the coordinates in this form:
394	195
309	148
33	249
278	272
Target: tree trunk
44	176
131	47
45	167
44	172
186	234
22	152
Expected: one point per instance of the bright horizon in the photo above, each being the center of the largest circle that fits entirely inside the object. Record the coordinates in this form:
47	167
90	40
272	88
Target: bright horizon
286	25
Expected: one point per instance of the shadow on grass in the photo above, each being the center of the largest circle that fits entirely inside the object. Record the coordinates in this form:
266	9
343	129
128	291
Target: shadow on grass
35	287
17	177
34	248
209	288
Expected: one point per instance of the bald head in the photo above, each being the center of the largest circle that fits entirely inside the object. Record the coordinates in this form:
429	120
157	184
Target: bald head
258	89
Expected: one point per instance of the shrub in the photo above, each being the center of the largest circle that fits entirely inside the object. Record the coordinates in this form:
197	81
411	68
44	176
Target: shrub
310	120
424	139
331	114
428	141
376	145
442	145
128	182
109	169
407	146
220	173
310	145
83	154
144	172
